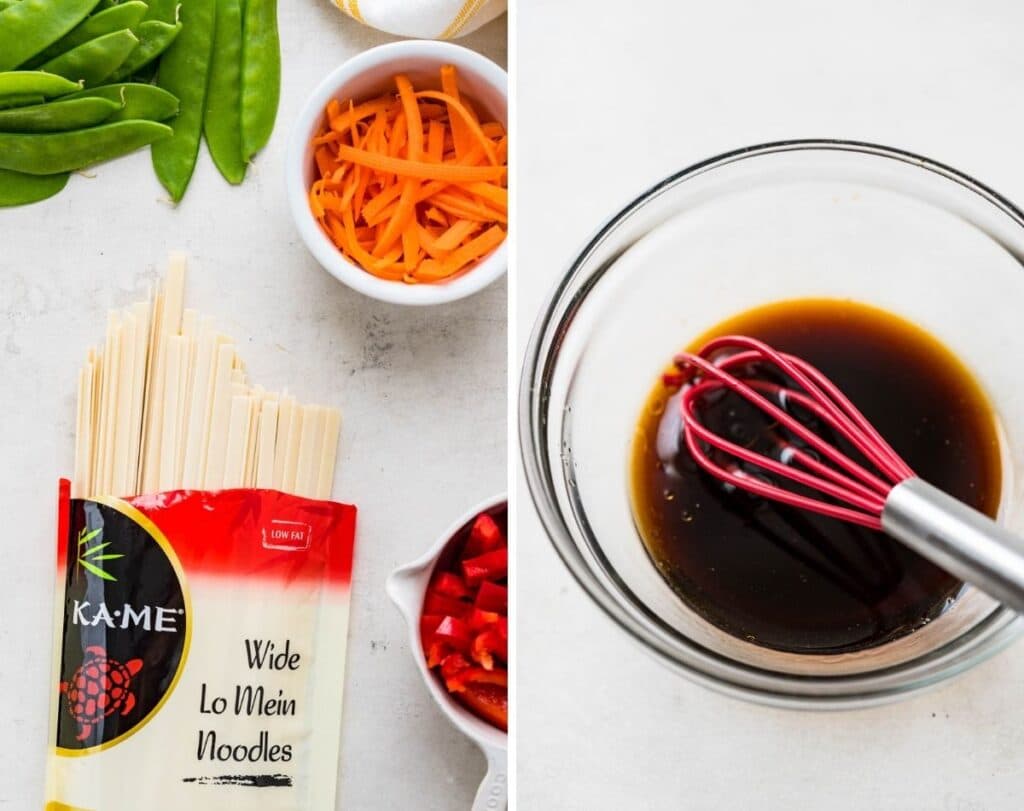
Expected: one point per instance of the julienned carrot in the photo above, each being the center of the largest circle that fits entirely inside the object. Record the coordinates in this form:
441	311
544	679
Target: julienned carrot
475	130
414	124
411	185
455	236
420	170
435	141
474	249
450	85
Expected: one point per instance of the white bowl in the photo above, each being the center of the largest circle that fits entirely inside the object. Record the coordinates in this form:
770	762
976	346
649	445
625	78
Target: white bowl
366	75
788	220
407	587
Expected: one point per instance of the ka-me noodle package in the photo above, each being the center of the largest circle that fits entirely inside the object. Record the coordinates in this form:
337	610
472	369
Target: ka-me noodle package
200	625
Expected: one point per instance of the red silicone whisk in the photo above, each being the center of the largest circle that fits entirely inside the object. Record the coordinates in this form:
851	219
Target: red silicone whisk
877	489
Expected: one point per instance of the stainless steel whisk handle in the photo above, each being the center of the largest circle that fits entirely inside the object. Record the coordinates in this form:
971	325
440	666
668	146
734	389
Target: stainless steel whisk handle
961	540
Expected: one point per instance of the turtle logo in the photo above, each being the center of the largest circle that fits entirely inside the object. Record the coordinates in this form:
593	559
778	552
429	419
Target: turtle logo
126	626
100	688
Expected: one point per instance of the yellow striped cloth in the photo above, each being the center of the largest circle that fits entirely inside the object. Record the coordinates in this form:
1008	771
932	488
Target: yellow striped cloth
426	19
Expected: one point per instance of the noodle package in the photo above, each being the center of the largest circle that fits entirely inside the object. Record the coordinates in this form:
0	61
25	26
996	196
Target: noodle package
200	629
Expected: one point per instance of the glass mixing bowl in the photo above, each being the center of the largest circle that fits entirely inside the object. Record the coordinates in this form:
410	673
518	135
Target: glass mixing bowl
786	220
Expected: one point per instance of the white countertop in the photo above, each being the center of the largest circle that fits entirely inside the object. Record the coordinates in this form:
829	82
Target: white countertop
611	101
422	390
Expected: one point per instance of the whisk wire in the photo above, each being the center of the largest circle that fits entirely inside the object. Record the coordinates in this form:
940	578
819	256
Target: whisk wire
743	389
951	534
692	397
861	493
900	470
760	488
856	427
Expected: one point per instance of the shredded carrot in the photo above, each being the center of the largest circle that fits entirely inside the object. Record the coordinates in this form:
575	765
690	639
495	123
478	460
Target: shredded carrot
467	209
411	185
450	85
474	249
412	115
420	170
340	122
435	215
435	142
431	270
475	131
455	236
497	196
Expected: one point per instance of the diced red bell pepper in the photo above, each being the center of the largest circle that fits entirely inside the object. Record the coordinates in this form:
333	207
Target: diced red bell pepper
492	597
488	701
445	606
453	664
464	624
450	585
428	625
476	675
488	566
479	620
484	537
436	653
490	644
483	657
454	632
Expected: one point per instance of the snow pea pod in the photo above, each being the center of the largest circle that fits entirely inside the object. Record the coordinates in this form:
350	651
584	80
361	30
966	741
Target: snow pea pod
58	116
222	120
261	74
50	153
18	189
116	18
31	25
136	101
20	100
35	83
166	11
95	60
184	72
147	74
154	38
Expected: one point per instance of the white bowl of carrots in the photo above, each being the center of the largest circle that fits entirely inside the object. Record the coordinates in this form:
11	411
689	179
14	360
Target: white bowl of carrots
397	172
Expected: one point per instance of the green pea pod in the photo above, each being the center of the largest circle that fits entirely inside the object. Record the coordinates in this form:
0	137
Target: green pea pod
58	116
18	189
50	153
222	120
135	101
261	74
20	100
6	4
35	83
147	74
96	60
31	25
184	72
117	18
165	11
154	38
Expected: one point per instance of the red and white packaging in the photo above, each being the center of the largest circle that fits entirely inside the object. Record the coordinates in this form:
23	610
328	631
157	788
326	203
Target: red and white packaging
199	652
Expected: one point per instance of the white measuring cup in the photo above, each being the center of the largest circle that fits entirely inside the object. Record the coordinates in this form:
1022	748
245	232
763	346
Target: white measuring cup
407	587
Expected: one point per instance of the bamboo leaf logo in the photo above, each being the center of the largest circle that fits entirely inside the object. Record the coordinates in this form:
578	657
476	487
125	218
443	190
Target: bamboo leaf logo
89	556
84	536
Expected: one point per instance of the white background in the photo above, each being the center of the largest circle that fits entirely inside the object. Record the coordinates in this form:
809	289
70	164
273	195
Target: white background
423	394
613	97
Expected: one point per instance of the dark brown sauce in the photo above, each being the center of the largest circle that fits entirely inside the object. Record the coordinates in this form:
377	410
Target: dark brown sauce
788	579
